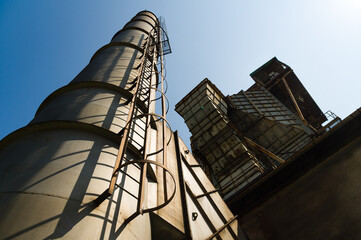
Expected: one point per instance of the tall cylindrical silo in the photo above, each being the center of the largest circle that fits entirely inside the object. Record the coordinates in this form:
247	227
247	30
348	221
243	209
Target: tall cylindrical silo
99	162
52	169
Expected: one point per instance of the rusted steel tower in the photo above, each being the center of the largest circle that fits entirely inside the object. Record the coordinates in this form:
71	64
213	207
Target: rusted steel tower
99	162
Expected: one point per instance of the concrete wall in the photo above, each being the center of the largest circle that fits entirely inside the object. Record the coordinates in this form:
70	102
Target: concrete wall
323	204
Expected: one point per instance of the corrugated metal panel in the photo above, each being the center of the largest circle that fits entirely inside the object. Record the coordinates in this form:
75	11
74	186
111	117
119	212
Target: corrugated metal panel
265	120
205	113
273	75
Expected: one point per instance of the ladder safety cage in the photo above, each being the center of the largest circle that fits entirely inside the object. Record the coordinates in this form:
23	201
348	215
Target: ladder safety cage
149	82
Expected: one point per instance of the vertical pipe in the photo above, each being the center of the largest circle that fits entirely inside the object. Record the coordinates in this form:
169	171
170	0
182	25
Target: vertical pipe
164	127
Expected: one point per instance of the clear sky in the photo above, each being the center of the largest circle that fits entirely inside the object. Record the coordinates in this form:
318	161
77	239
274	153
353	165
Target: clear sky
45	44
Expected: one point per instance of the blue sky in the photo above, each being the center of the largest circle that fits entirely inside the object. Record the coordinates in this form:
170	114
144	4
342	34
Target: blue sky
45	44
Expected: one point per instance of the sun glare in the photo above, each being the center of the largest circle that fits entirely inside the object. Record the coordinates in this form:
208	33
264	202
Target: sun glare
348	8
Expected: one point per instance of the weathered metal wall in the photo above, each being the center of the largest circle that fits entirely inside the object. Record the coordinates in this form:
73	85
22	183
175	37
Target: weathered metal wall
53	170
242	137
265	120
231	162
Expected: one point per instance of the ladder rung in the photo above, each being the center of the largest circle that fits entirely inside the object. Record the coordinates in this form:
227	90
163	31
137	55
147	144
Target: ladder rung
207	193
197	165
135	180
133	164
131	194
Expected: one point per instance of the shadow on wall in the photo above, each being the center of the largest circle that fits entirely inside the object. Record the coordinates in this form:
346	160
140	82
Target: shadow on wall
41	170
78	168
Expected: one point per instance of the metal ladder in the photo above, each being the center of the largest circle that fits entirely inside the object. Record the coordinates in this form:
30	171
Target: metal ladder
144	88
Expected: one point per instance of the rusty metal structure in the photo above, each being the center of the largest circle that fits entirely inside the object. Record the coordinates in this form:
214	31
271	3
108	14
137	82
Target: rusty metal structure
286	169
100	161
240	138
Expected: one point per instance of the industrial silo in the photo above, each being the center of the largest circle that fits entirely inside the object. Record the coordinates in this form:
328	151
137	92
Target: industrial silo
98	162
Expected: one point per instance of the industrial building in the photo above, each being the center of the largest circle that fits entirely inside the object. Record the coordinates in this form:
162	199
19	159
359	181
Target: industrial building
100	161
242	136
287	169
